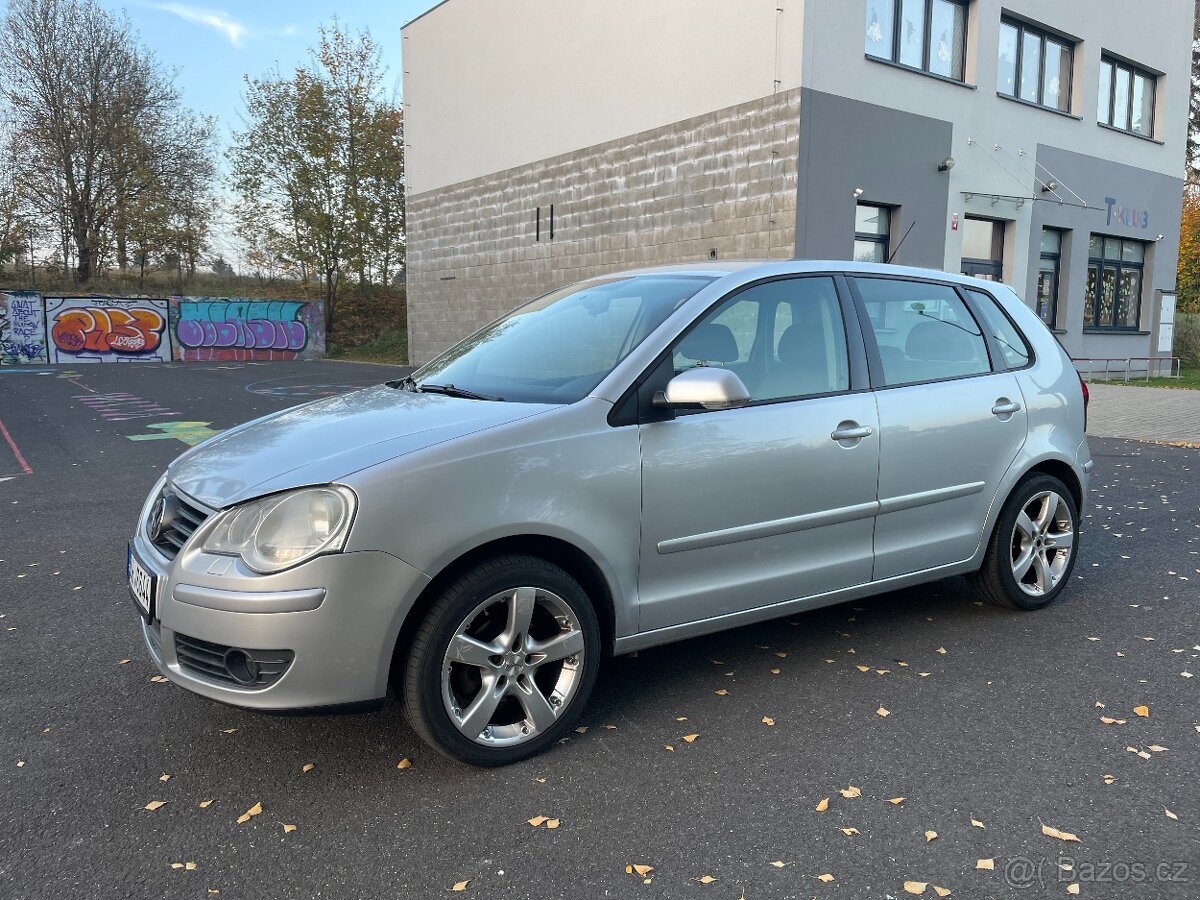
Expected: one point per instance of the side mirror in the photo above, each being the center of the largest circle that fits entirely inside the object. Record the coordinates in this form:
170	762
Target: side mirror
706	387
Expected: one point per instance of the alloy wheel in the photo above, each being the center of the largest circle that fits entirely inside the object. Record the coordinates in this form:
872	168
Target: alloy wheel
1043	540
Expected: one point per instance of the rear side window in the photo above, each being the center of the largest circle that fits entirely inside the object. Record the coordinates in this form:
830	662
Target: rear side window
924	331
1013	348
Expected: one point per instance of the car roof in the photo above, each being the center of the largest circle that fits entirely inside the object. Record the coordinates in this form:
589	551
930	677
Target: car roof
768	267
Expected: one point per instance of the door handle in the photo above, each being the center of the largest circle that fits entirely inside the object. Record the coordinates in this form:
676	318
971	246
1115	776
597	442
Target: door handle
852	431
1005	407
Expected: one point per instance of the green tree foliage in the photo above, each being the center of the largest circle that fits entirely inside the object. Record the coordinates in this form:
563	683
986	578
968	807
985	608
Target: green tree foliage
319	170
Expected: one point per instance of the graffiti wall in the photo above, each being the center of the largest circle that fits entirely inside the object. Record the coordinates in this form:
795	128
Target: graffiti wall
218	328
107	329
22	328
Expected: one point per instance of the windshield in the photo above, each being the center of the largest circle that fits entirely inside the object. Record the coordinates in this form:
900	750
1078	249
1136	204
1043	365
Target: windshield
557	348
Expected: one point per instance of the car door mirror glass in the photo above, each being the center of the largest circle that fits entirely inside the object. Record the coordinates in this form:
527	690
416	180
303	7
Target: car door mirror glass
707	387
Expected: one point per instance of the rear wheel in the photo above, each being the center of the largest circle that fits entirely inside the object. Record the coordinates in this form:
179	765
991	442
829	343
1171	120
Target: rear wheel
1032	550
503	663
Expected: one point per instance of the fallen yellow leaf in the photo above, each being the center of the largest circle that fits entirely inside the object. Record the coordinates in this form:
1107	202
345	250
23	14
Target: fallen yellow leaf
883	713
690	738
1143	711
823	805
155	804
1170	815
1073	888
896	801
253	811
850	832
1061	835
930	836
827	877
176	865
941	891
706	879
915	887
863	668
775	671
582	729
307	767
538	820
940	650
460	886
850	792
1109	720
681	718
989	864
767	720
1156	748
164	777
189	867
975	823
609	727
1108	779
779	864
638	870
405	763
722	693
205	804
288	829
553	823
228	730
668	748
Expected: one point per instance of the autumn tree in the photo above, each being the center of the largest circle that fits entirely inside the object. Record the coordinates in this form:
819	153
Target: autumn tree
1187	282
101	132
319	169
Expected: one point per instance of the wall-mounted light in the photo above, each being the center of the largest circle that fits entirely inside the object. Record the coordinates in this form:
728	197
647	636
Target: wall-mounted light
858	192
1049	186
946	164
1161	237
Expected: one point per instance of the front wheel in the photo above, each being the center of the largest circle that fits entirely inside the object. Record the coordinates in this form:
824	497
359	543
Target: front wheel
503	662
1032	550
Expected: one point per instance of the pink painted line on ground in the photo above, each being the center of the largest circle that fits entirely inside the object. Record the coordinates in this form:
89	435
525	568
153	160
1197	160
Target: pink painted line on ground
84	386
16	452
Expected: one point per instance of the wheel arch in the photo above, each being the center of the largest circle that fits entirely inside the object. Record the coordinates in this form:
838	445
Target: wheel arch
1050	465
562	553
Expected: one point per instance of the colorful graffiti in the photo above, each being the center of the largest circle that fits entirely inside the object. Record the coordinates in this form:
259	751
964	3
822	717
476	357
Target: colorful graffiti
227	330
22	333
84	329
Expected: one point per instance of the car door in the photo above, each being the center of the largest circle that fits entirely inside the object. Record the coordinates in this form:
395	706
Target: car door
950	422
743	508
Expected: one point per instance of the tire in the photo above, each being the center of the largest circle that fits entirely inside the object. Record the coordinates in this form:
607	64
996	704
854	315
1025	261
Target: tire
512	648
1032	550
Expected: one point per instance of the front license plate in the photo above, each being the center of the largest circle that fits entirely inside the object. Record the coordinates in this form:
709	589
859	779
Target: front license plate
142	585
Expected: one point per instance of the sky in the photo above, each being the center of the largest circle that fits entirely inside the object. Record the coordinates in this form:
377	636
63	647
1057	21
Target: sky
213	45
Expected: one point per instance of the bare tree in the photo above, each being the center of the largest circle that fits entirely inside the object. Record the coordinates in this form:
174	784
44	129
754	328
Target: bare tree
88	104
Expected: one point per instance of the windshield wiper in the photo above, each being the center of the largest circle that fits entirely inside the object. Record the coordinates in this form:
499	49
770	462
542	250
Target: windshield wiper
405	384
451	391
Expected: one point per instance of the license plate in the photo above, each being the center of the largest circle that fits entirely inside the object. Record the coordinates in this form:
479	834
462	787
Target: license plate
142	585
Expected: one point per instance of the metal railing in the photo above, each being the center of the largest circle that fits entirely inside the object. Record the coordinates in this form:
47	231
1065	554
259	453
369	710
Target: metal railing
1123	366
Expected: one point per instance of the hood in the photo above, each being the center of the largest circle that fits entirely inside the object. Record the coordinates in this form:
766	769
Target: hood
329	439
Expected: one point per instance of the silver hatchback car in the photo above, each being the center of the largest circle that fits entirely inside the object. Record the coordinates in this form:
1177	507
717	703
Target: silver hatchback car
632	460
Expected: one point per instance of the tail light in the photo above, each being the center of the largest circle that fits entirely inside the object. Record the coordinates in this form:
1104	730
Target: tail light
1086	397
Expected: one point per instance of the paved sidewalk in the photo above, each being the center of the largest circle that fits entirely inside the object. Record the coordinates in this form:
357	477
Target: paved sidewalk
1144	413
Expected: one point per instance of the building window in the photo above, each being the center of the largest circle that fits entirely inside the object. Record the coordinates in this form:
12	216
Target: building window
872	231
929	35
1126	97
983	248
1114	285
1048	275
1035	66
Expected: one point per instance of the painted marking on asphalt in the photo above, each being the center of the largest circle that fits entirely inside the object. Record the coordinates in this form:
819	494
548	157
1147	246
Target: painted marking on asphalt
190	433
25	470
84	386
9	370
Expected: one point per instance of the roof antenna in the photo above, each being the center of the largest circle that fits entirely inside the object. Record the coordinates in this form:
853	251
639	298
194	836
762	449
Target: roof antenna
902	239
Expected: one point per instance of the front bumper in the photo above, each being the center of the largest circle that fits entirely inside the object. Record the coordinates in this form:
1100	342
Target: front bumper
329	626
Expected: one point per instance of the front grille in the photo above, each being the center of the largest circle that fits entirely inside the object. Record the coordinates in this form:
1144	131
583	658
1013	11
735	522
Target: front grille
234	666
173	519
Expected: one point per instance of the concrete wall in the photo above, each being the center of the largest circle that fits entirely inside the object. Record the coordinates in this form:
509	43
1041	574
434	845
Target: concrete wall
841	149
490	86
724	181
92	329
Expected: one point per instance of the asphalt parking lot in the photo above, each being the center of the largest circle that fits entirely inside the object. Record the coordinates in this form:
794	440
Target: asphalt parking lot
994	723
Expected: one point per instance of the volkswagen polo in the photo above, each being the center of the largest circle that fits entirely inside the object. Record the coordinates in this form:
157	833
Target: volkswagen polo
632	460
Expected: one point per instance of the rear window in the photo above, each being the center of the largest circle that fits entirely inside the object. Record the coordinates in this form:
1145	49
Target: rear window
1013	346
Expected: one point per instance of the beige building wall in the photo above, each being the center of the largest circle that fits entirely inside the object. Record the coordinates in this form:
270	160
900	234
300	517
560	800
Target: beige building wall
491	85
724	181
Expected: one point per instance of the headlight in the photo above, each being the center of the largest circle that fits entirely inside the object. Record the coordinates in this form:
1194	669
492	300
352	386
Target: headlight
276	533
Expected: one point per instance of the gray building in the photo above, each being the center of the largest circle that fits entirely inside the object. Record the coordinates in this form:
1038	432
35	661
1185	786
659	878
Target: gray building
1038	143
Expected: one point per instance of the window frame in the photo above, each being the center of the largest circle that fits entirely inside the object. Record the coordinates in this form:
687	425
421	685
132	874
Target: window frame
1056	259
894	55
1102	264
867	237
993	265
636	404
1135	71
1043	35
875	360
993	346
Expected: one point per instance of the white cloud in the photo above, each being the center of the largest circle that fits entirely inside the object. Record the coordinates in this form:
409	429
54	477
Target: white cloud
234	30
